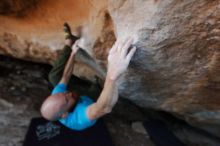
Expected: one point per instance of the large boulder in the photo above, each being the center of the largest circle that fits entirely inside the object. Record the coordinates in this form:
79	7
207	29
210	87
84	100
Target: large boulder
177	65
175	69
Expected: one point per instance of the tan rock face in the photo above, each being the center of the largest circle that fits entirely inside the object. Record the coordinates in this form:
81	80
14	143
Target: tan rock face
34	31
176	67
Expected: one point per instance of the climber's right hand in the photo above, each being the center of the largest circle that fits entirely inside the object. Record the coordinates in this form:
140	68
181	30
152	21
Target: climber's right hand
119	58
75	47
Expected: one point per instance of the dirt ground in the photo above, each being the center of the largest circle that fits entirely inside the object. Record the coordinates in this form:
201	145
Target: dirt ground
23	86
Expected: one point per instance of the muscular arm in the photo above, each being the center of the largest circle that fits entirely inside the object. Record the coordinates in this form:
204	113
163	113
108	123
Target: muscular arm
118	61
69	65
68	69
106	101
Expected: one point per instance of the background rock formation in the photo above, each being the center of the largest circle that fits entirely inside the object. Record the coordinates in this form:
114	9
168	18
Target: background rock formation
177	65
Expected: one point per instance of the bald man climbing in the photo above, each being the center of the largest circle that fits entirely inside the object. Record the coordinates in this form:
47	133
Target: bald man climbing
80	112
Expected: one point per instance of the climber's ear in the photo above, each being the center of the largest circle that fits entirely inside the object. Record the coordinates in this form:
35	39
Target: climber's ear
64	115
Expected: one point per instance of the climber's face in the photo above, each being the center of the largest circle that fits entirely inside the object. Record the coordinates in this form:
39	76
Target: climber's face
57	106
68	100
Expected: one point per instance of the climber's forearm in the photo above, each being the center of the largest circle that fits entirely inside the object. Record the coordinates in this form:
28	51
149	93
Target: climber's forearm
106	101
108	97
68	69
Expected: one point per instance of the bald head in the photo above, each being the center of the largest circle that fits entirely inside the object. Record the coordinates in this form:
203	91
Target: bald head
54	106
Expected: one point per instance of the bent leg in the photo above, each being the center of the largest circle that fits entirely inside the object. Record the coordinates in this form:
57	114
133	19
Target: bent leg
59	65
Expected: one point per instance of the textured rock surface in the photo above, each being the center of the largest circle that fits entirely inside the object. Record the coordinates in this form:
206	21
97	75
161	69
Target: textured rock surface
176	67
